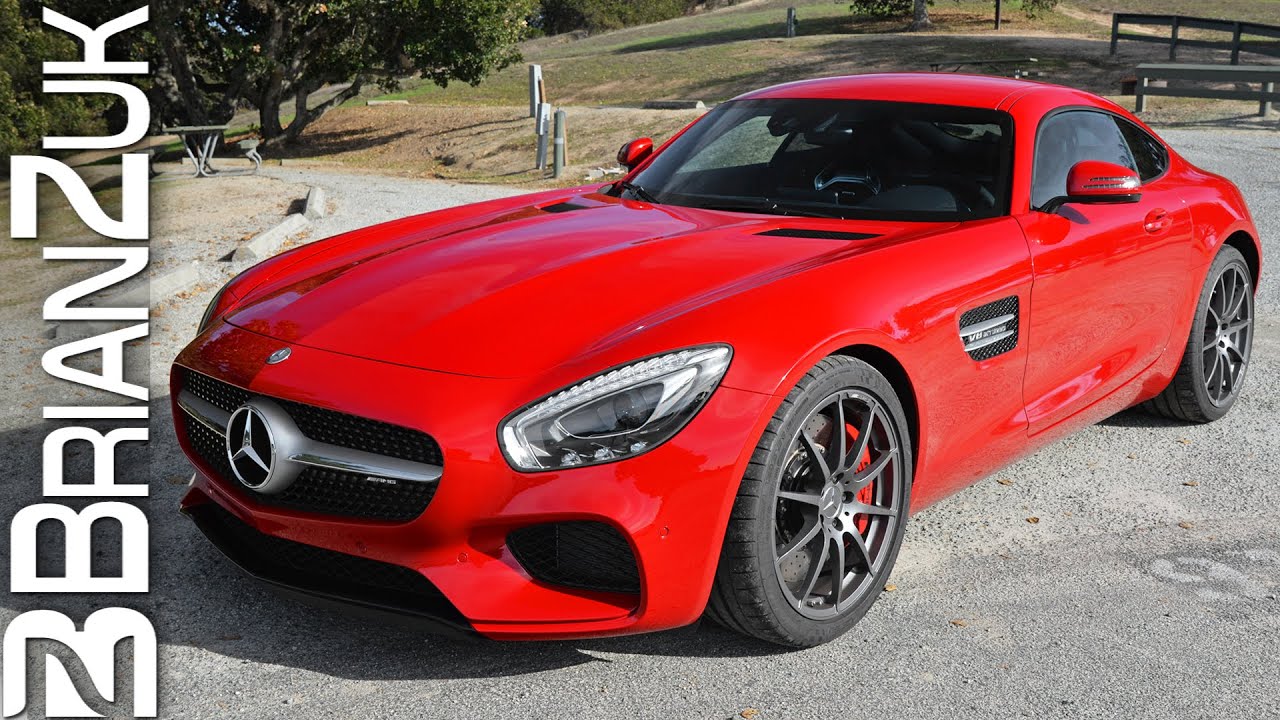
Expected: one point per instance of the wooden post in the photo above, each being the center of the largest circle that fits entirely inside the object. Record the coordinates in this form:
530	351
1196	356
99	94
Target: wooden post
998	3
1264	106
791	22
1139	94
1235	43
558	156
1115	31
1173	40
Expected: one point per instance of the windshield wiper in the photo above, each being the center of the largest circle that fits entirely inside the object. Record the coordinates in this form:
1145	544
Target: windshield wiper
638	191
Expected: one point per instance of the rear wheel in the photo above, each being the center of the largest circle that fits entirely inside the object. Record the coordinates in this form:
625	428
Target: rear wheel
1217	353
820	514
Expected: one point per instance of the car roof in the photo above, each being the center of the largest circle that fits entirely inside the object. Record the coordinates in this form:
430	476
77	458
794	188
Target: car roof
941	88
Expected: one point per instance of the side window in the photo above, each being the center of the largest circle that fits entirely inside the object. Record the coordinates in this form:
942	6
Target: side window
1150	155
1068	138
750	143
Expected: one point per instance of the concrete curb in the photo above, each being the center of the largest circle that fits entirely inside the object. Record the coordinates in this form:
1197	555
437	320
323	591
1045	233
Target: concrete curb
170	283
674	105
268	241
314	206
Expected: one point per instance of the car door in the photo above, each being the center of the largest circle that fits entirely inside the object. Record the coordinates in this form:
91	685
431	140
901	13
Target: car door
1106	276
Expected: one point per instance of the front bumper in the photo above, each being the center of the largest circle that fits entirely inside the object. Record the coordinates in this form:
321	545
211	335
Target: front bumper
670	504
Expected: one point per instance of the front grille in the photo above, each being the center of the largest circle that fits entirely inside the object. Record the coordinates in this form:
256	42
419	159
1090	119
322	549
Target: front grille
317	490
579	554
324	572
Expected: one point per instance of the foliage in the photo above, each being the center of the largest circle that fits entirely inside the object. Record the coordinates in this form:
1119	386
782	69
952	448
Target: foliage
882	8
27	113
1036	8
559	16
216	53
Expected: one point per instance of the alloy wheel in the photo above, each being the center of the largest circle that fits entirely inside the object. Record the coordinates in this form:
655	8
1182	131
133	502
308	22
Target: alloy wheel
1226	343
839	502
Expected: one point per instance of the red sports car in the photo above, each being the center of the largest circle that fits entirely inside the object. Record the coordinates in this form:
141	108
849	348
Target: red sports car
721	384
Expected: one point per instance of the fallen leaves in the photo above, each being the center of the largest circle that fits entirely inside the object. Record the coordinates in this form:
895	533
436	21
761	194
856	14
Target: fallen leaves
960	622
1191	483
1185	525
1033	520
1185	441
1005	481
749	714
890	587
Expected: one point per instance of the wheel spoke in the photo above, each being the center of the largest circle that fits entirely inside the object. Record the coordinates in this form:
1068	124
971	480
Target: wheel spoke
1236	327
815	456
872	471
865	509
837	573
864	555
838	444
864	440
800	541
816	569
1237	300
1212	373
800	497
1228	379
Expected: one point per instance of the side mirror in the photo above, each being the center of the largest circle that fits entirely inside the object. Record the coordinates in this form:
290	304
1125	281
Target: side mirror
635	152
1097	182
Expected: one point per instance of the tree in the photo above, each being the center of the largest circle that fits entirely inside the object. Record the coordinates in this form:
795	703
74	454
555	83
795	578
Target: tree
216	53
26	112
920	16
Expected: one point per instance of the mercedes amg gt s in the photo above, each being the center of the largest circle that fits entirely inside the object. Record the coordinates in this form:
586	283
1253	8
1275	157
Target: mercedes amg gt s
721	384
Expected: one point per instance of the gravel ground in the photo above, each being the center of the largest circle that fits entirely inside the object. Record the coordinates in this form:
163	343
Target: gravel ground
1147	587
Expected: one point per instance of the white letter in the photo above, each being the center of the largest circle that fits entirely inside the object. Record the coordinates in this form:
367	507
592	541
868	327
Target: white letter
96	648
58	306
95	45
135	129
104	463
133	192
112	346
133	549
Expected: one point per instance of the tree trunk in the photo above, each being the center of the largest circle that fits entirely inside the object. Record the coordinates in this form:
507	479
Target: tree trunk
920	17
304	116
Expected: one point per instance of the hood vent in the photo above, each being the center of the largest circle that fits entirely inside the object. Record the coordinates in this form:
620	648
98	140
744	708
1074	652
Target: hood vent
563	207
817	234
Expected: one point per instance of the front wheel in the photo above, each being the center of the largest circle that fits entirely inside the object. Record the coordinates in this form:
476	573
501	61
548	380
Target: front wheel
1217	353
821	511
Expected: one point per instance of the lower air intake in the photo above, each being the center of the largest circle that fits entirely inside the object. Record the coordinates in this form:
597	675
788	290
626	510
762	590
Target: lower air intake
580	554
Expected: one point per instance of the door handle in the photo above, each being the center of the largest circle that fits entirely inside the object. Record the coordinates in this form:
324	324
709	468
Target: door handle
1157	220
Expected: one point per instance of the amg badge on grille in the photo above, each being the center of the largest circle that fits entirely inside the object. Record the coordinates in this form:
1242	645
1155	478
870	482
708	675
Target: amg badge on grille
991	329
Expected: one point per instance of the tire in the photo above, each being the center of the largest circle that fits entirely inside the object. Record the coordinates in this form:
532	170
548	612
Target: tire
1217	352
765	584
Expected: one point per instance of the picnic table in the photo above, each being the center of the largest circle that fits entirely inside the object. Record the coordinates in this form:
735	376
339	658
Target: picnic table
984	64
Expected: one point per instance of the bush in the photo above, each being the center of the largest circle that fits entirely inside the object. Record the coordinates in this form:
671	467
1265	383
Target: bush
1034	8
560	16
883	8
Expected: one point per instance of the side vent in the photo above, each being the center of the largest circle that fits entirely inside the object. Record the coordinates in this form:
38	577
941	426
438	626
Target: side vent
817	234
991	329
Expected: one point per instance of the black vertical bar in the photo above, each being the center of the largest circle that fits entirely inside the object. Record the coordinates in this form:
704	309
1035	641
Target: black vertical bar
998	3
1173	40
1235	44
1115	31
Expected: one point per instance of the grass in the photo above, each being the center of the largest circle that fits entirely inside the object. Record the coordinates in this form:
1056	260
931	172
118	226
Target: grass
1262	11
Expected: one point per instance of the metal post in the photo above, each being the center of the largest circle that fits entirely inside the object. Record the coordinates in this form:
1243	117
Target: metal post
998	14
1173	40
535	89
1139	94
544	130
1264	106
557	164
1235	44
791	22
1115	31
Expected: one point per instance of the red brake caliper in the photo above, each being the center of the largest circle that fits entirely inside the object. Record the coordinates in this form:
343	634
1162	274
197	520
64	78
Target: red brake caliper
866	494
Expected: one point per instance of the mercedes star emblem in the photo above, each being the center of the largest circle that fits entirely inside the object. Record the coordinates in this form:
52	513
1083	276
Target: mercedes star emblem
279	356
250	447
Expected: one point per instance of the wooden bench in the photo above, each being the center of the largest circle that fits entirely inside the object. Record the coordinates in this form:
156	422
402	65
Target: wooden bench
1265	76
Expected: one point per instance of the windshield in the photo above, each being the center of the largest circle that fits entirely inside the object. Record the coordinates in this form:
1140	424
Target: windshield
837	158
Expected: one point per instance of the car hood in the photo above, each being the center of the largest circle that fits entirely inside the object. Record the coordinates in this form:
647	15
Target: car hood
524	290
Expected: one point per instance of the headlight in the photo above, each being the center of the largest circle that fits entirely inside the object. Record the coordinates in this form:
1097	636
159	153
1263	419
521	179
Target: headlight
617	414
